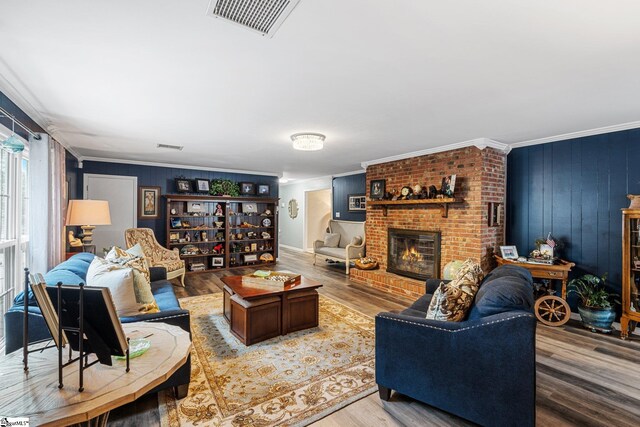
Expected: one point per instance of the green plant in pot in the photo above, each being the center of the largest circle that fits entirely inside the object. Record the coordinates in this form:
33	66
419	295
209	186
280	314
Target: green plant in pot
224	187
596	305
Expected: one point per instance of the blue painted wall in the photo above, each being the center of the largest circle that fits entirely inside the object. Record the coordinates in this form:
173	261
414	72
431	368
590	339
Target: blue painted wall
12	108
344	186
575	189
164	177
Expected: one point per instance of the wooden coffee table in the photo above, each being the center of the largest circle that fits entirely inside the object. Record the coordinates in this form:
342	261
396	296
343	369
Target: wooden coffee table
256	314
36	395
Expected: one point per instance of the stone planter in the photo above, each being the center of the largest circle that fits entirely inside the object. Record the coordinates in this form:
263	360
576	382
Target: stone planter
597	319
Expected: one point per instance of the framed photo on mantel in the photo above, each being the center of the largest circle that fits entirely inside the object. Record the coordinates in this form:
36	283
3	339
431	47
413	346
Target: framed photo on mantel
377	189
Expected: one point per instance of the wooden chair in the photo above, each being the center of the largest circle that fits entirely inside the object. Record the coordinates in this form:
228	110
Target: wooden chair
157	255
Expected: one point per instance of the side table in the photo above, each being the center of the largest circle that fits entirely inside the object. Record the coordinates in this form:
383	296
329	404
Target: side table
35	394
559	271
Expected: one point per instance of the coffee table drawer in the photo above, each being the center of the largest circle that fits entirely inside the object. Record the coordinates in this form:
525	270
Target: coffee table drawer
300	311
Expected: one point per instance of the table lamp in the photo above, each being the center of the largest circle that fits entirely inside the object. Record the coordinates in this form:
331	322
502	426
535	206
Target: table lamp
87	214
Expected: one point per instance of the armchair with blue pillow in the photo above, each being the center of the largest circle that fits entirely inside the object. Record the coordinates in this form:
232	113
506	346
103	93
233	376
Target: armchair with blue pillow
481	369
74	271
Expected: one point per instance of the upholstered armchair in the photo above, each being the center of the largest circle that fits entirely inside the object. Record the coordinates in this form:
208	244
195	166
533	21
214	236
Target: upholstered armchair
348	249
157	255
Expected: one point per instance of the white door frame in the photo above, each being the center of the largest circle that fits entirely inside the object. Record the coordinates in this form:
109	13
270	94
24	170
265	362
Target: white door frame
305	246
134	179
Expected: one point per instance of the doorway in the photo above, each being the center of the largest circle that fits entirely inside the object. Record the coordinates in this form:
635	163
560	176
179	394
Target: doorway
317	213
121	193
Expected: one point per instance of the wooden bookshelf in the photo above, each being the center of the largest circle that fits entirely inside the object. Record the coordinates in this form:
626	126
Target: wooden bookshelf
203	231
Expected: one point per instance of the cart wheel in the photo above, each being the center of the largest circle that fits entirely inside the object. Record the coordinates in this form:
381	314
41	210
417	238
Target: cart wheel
552	310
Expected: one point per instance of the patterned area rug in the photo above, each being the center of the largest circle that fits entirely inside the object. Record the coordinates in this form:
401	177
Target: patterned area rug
292	380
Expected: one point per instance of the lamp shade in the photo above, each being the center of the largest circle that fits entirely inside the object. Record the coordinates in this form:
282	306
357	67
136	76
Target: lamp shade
88	212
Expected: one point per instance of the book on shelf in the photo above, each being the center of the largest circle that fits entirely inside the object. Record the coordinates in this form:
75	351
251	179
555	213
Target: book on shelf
197	266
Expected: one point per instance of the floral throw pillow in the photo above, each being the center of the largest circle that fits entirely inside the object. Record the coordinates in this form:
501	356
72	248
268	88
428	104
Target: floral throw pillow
451	301
141	276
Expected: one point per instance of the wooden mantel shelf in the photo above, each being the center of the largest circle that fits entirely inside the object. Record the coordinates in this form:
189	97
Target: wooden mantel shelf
443	203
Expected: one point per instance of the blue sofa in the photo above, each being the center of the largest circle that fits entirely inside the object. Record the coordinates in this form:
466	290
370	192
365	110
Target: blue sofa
481	369
74	271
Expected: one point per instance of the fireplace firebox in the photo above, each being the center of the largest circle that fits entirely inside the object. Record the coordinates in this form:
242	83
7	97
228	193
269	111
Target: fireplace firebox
413	253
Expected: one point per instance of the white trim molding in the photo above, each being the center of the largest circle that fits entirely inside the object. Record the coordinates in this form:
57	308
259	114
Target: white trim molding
578	134
172	165
338	175
481	143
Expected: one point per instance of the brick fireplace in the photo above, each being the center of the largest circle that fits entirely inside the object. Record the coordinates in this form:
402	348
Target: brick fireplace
464	233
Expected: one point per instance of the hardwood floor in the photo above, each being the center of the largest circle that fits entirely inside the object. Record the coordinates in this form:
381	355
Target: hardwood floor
583	379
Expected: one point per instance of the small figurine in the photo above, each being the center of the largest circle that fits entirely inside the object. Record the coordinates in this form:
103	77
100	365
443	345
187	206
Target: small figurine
187	236
217	249
203	236
74	242
433	192
218	211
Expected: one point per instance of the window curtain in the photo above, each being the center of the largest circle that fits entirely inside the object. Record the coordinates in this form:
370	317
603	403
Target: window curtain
48	202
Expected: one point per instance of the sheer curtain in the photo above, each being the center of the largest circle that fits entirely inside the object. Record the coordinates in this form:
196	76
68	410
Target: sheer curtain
58	202
46	218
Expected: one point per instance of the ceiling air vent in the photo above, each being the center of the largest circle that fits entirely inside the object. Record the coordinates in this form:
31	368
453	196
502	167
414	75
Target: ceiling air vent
263	16
171	147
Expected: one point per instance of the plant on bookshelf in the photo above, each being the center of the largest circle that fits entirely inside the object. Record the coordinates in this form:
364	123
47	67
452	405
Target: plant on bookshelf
224	187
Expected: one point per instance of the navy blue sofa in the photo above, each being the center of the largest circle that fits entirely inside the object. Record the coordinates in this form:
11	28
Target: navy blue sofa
481	369
74	271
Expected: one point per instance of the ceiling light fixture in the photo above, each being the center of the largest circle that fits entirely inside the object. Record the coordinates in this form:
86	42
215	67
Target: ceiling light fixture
283	180
307	141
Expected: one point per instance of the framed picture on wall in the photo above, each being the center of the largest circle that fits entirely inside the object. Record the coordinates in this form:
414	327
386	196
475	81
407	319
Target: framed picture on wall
183	185
247	188
377	189
148	202
201	185
263	189
357	202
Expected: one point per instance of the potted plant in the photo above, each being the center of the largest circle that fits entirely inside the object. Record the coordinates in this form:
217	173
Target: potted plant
224	187
596	305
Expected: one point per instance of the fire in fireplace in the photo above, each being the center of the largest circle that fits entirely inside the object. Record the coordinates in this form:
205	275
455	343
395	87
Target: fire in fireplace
413	253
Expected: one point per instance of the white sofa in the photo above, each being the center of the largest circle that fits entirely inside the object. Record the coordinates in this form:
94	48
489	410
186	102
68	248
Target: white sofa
345	251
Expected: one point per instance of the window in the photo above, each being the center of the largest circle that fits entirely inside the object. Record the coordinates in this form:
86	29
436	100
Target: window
14	227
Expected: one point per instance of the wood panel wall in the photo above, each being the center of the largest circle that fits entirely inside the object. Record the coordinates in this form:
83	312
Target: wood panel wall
164	177
575	190
344	186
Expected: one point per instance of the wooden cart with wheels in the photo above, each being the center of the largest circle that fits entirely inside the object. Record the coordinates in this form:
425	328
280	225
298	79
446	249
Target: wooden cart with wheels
550	309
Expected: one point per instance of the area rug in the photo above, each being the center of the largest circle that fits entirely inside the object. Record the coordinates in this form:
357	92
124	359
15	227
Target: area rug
292	380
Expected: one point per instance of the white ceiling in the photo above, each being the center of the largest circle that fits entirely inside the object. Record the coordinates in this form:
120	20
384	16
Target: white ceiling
379	78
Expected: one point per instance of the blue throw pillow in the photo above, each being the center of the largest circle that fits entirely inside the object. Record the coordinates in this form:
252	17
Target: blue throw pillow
501	295
509	271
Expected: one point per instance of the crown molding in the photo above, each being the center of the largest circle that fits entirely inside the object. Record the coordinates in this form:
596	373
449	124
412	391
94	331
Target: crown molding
338	175
173	165
578	134
293	181
26	105
481	143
